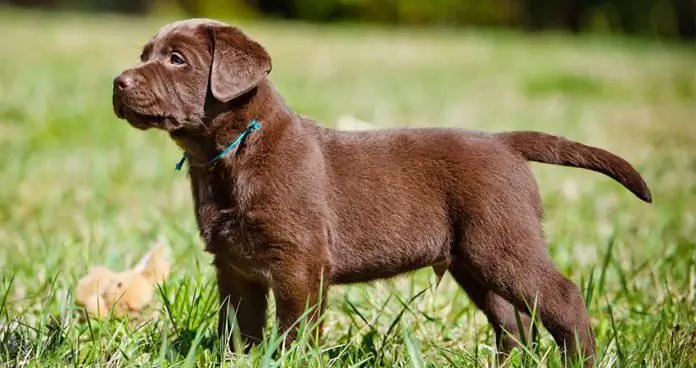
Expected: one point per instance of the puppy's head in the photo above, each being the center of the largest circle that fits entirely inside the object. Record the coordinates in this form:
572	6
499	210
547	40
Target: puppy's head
185	65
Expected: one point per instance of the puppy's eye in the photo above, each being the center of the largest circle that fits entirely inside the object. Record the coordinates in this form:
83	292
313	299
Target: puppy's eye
119	285
176	59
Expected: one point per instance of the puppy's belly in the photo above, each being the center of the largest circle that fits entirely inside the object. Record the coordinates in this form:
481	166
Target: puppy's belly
367	259
380	231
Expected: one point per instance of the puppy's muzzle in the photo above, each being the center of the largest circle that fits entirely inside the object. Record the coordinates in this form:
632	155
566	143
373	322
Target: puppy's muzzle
124	81
123	84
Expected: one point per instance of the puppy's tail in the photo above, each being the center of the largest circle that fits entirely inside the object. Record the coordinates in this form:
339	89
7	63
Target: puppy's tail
550	149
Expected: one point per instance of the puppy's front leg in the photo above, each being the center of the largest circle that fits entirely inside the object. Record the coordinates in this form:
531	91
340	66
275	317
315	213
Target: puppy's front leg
301	289
244	300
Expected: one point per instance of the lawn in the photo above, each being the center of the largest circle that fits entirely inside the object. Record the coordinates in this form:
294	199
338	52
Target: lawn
80	187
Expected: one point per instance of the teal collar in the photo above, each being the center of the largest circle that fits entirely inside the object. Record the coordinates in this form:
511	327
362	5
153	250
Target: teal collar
254	125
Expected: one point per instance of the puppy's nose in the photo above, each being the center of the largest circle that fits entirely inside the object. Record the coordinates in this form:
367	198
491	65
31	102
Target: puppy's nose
124	81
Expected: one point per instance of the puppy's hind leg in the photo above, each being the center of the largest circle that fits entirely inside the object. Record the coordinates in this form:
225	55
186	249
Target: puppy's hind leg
507	254
500	312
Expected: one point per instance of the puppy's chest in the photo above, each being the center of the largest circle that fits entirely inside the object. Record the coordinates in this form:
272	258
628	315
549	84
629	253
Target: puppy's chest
224	221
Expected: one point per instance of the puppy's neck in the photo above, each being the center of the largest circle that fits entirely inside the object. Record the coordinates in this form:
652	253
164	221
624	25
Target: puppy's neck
226	121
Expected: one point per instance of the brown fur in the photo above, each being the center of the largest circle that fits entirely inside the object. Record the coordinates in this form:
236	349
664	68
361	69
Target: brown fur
299	205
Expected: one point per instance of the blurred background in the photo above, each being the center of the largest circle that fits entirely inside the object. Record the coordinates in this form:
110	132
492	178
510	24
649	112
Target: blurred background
653	18
78	187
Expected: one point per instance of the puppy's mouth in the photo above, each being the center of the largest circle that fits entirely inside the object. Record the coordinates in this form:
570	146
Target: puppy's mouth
142	120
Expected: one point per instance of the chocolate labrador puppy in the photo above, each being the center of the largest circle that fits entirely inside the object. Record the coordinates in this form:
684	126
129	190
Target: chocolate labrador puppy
288	206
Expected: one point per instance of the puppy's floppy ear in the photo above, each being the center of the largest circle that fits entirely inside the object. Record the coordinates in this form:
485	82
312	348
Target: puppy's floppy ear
239	63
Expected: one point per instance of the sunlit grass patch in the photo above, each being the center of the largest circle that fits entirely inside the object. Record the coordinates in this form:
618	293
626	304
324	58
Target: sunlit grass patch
79	187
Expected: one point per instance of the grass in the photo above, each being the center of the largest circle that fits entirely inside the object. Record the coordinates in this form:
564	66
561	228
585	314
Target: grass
80	187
